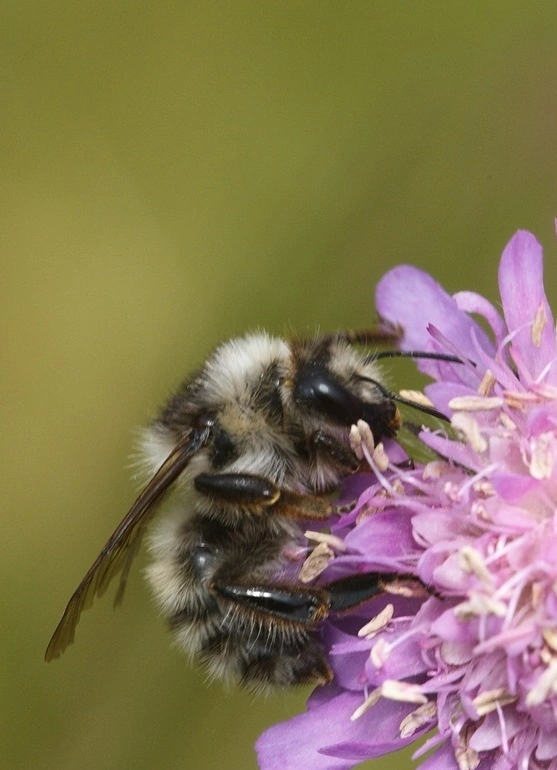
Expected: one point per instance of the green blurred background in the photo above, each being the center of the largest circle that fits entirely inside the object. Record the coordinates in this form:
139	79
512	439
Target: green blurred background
174	174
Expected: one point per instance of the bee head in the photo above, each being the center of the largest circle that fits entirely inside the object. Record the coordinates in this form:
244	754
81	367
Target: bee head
337	385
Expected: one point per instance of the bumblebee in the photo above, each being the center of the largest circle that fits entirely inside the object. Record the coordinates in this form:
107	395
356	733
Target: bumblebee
250	446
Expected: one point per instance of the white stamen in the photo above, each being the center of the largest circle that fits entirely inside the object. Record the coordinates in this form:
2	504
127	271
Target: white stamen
491	700
366	435
487	383
537	594
506	421
541	464
545	686
455	653
378	623
417	397
484	487
550	638
479	511
402	691
540	322
518	400
398	487
316	563
472	561
361	437
435	469
479	605
380	457
370	701
467	758
356	442
468	426
418	718
475	403
367	449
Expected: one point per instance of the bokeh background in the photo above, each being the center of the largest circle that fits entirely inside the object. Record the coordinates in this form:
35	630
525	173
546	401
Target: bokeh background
174	174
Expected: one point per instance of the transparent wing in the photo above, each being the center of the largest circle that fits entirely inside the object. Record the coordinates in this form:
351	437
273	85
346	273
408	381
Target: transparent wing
118	553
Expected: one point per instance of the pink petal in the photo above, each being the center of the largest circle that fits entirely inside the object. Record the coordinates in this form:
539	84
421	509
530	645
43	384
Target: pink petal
474	303
384	537
324	738
412	299
524	300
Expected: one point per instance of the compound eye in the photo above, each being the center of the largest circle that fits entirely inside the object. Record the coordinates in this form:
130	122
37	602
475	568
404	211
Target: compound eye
318	390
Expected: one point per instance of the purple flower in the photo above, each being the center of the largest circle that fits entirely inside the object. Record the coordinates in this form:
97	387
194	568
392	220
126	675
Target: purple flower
472	660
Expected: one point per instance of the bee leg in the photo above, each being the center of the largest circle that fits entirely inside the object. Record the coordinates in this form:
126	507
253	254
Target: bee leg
334	450
243	489
347	593
270	614
297	604
260	495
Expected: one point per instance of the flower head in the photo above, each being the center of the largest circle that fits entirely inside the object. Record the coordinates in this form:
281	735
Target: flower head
473	657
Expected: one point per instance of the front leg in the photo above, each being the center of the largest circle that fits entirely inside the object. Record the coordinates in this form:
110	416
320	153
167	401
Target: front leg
259	495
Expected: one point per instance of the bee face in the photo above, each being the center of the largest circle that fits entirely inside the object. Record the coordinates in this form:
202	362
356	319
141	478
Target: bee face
251	440
334	386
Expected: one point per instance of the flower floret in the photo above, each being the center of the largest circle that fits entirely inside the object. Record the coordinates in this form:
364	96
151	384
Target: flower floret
472	654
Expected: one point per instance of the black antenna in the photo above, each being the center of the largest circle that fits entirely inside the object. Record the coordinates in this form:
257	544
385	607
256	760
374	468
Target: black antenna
411	354
386	336
416	354
378	337
401	400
